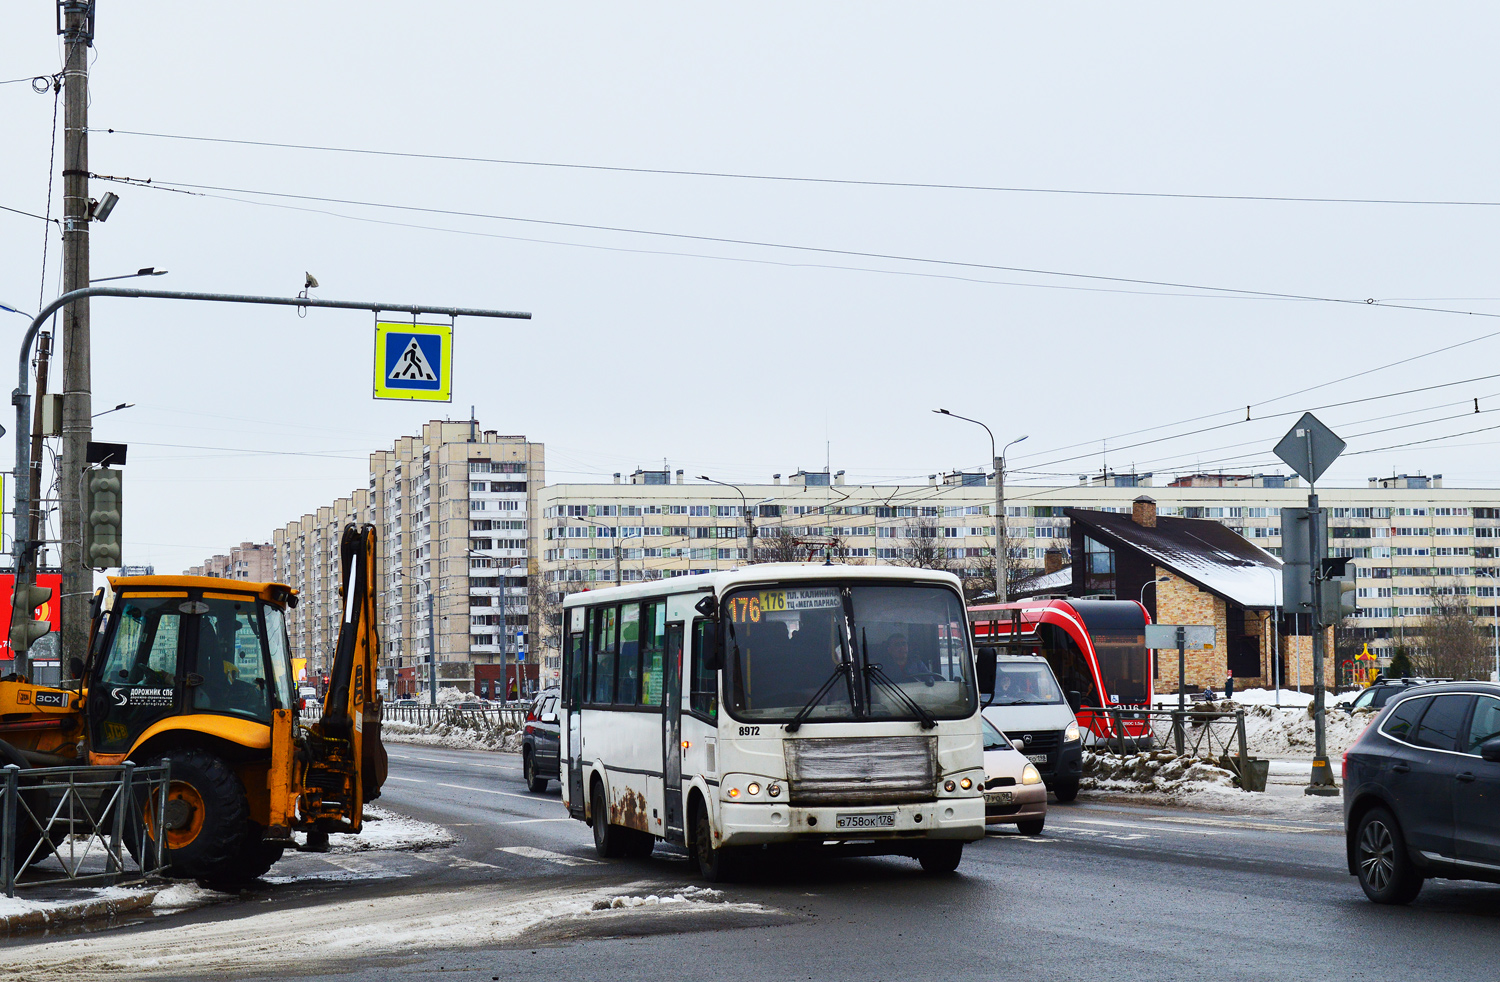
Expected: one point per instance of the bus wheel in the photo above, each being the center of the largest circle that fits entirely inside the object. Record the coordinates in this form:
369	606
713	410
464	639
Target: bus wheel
639	845
1066	791
609	840
715	865
942	856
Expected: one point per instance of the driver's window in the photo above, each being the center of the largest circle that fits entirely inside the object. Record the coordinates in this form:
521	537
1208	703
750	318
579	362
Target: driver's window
144	649
230	660
1486	723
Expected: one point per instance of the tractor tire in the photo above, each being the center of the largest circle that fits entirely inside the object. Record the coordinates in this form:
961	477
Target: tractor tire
256	859
209	836
33	799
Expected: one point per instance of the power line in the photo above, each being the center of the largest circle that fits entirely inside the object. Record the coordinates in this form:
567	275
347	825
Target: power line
28	214
800	179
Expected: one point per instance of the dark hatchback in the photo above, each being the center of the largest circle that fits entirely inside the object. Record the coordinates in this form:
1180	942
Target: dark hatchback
541	741
1422	791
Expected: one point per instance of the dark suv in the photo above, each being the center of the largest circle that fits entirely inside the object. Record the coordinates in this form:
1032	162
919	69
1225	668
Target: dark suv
541	741
1382	691
1422	791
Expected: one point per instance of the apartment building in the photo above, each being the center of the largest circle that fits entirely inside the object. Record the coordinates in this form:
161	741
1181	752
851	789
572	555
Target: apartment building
306	556
454	512
255	562
1410	537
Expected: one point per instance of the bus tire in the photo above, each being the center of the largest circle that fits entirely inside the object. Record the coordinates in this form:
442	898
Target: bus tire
638	844
1066	791
942	856
609	840
716	865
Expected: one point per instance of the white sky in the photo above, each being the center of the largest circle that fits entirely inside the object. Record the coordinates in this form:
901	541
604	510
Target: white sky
743	368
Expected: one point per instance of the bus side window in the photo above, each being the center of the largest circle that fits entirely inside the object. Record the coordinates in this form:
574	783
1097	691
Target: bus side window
573	681
704	694
602	638
653	642
628	691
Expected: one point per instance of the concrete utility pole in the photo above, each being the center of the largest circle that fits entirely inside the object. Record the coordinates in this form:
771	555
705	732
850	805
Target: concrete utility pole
77	425
1002	537
748	515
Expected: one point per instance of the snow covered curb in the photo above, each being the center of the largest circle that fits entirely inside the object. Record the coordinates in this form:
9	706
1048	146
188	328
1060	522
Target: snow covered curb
1161	771
463	735
385	830
18	914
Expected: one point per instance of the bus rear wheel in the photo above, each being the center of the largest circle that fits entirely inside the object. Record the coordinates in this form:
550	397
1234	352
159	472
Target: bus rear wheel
609	840
941	856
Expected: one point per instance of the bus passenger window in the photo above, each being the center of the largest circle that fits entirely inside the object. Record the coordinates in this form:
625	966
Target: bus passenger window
573	690
704	694
653	642
602	650
628	689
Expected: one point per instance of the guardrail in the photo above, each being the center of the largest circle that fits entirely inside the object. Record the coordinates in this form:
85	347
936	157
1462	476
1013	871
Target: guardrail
81	824
456	715
1216	734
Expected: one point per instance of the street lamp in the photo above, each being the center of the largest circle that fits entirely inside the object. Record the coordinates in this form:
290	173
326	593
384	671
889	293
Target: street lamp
144	271
745	508
615	543
1002	543
1159	579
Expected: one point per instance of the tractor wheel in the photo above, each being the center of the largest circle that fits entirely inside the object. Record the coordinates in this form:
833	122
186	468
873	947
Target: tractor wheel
256	859
209	833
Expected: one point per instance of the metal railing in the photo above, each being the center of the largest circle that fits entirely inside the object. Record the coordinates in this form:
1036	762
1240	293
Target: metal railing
81	824
487	716
1214	734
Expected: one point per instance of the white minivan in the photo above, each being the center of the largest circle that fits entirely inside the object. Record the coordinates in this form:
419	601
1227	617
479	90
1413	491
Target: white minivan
1029	707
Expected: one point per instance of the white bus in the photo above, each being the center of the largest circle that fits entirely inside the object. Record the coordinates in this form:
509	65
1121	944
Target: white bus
814	705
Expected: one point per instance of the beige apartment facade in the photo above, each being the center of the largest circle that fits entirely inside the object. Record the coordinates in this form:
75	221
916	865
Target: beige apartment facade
251	561
1408	537
306	556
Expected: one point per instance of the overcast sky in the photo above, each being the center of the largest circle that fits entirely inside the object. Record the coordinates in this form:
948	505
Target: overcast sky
743	360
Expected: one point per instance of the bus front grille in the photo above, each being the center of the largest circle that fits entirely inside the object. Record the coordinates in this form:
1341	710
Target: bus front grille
861	770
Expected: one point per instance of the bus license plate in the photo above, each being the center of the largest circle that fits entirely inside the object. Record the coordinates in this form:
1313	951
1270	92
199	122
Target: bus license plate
998	797
884	820
1037	758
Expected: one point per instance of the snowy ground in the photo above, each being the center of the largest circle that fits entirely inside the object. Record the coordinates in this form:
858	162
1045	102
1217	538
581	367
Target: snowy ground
457	736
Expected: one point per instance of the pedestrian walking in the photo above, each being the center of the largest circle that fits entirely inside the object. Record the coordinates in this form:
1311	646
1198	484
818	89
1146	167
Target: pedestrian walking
1229	685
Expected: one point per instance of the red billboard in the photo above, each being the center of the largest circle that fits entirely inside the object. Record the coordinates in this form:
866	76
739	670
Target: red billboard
46	612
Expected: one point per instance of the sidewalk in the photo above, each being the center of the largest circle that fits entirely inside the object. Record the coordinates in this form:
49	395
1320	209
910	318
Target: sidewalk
30	913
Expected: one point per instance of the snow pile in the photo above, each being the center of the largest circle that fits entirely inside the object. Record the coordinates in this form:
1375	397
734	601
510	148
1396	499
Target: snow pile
686	895
1159	770
385	830
463	732
1289	732
183	894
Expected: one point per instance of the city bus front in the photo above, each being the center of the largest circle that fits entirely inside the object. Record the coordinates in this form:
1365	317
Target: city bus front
850	714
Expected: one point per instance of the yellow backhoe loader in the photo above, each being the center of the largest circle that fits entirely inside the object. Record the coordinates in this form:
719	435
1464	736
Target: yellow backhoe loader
199	670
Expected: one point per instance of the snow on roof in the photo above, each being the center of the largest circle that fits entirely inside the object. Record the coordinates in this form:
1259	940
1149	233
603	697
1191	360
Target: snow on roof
1061	580
1201	551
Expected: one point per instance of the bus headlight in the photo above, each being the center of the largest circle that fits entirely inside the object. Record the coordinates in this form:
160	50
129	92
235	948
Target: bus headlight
1030	775
774	790
752	789
949	786
966	784
1072	734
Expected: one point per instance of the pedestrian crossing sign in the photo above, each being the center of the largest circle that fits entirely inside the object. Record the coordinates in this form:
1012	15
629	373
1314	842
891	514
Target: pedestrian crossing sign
414	361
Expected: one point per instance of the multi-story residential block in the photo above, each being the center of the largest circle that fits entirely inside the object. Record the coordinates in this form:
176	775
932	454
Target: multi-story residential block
255	562
1410	537
306	556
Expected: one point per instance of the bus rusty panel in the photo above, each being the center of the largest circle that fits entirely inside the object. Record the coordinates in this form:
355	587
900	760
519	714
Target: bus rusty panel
629	810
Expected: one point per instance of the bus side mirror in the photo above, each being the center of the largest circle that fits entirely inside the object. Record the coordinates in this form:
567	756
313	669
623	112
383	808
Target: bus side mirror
713	646
1075	700
985	664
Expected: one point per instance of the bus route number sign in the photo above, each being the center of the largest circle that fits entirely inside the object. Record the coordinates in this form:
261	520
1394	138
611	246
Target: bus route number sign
751	608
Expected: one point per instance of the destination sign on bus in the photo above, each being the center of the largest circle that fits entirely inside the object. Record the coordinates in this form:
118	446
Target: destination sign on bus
751	608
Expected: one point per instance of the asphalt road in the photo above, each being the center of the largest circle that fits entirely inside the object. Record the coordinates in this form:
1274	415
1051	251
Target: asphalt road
1110	891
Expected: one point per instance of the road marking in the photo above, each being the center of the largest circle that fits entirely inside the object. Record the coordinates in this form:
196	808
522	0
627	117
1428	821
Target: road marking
408	780
352	864
458	862
1100	833
1228	823
528	821
508	794
451	760
1153	828
547	855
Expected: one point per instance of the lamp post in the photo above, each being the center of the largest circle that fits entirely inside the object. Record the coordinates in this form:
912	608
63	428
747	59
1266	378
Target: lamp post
1159	579
1002	538
749	516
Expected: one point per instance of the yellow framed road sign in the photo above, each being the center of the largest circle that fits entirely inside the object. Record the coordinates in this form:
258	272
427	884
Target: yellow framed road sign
414	362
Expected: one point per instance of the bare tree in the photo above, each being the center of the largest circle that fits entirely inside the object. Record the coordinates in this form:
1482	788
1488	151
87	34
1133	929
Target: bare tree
922	547
979	575
779	546
1453	645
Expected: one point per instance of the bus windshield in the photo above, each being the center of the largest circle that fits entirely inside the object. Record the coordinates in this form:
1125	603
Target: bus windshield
831	651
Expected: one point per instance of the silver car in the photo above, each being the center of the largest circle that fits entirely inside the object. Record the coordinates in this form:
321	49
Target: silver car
1013	788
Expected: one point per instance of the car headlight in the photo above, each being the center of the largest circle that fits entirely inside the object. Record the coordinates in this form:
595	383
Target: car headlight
1030	775
1072	734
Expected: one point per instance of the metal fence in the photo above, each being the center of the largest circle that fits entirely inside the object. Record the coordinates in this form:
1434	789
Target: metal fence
471	717
81	824
1214	734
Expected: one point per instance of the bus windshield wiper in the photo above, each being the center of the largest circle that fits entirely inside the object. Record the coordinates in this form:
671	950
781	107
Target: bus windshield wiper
877	675
842	669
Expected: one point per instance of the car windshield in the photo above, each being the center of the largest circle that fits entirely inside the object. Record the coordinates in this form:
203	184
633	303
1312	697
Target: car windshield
833	651
1025	683
993	738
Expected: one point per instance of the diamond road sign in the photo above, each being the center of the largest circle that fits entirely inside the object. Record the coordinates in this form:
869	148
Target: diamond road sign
414	361
1309	447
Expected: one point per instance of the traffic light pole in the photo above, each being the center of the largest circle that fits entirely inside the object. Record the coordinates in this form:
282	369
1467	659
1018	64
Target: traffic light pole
1321	781
26	540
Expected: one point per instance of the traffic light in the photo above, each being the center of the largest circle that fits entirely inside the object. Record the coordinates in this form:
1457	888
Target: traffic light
1337	592
101	545
24	628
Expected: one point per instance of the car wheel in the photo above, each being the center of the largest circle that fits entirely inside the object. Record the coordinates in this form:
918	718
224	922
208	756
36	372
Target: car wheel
941	856
1066	791
609	840
1386	873
1031	827
534	783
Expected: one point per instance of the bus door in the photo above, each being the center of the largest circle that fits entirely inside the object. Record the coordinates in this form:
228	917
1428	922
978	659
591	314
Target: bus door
671	733
576	660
